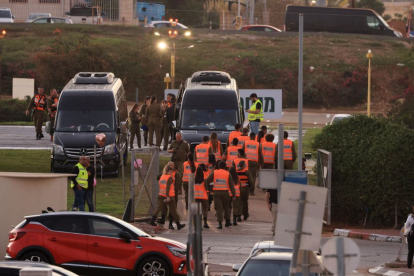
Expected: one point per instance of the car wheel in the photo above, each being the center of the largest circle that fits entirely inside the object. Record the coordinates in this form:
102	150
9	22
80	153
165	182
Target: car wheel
35	256
153	266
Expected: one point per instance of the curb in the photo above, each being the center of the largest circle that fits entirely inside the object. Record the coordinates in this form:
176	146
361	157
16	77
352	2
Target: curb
381	270
366	236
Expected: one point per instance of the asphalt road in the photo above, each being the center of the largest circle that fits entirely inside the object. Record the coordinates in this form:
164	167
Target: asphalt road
25	135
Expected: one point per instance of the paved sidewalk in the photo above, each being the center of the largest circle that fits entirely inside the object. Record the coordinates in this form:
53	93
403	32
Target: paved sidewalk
383	235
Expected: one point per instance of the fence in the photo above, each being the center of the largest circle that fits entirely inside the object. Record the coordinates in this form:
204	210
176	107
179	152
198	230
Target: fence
112	193
323	178
108	8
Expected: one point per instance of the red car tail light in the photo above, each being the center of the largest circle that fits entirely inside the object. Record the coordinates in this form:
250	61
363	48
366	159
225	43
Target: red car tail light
14	236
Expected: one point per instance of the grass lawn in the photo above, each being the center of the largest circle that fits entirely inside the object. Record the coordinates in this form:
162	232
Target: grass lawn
18	123
109	191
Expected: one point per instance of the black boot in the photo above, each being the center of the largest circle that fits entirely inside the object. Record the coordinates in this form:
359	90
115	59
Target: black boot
234	220
171	226
239	219
161	220
245	217
179	226
37	136
145	142
228	223
152	221
205	224
220	226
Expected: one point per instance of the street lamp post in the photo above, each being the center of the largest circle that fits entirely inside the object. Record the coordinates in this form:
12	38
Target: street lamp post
173	66
369	56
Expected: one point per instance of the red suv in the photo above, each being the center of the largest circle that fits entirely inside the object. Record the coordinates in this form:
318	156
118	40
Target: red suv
94	244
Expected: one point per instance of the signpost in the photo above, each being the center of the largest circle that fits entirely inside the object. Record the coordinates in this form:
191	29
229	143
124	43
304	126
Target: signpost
341	256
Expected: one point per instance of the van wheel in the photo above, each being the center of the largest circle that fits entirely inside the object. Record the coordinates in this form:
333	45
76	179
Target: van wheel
153	266
35	256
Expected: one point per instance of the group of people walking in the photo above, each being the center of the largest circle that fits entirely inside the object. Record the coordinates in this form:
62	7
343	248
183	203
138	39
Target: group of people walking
154	119
226	178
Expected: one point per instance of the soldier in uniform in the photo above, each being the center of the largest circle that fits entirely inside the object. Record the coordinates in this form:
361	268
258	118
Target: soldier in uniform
154	113
165	131
141	116
134	127
38	105
51	104
179	149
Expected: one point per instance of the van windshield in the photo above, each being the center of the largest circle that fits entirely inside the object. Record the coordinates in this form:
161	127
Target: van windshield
86	112
5	14
205	118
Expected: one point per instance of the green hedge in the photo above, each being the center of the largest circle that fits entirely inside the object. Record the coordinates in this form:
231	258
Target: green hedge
372	167
14	110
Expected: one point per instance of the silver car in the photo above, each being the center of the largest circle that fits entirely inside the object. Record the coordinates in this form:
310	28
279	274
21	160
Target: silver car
52	20
36	15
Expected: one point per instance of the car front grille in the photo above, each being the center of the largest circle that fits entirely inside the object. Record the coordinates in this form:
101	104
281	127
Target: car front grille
78	152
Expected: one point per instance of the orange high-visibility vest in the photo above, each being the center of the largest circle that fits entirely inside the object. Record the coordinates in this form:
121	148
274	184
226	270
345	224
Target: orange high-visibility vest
251	148
237	189
163	186
39	102
221	180
242	140
287	149
268	152
53	107
201	152
232	135
231	155
216	153
187	170
244	180
200	191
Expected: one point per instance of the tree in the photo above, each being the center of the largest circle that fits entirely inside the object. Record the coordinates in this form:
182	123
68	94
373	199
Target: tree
375	5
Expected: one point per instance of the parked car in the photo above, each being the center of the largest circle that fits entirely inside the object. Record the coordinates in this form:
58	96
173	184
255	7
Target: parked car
36	15
260	28
12	268
267	263
94	244
164	24
6	15
52	20
269	246
85	15
339	117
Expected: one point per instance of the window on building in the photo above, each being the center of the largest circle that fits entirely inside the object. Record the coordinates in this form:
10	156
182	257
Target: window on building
17	1
49	1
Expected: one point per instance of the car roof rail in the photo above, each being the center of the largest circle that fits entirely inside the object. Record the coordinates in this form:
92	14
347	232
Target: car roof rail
94	78
211	76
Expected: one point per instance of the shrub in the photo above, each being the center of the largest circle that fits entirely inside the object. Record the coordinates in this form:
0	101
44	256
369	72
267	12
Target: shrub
387	17
372	161
13	110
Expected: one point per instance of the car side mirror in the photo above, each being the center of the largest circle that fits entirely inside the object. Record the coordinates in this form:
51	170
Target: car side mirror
126	236
236	267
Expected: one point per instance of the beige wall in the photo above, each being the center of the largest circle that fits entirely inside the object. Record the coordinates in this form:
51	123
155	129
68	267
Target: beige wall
126	15
24	194
392	8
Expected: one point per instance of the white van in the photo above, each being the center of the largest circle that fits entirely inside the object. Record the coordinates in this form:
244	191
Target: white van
85	15
6	15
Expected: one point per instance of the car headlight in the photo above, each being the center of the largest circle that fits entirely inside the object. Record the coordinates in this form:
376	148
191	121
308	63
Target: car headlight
110	149
58	149
177	251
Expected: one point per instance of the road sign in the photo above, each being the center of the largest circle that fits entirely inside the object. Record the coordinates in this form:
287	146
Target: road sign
314	264
268	178
341	256
287	217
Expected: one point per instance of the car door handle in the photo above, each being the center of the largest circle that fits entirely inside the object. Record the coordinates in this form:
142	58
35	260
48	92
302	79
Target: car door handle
53	239
138	246
95	244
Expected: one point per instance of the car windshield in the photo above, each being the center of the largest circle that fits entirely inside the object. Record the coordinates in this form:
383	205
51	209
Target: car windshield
5	14
337	119
86	112
267	268
205	118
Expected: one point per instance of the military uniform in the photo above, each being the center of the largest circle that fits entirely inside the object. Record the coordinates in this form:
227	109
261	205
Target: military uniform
182	149
177	182
134	129
165	131
154	113
38	104
141	113
268	156
168	191
253	161
222	183
52	103
289	154
245	182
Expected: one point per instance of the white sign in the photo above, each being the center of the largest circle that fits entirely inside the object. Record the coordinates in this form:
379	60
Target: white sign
287	215
314	263
23	88
350	255
271	100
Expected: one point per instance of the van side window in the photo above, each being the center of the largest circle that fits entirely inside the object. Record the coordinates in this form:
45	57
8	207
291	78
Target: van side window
373	22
